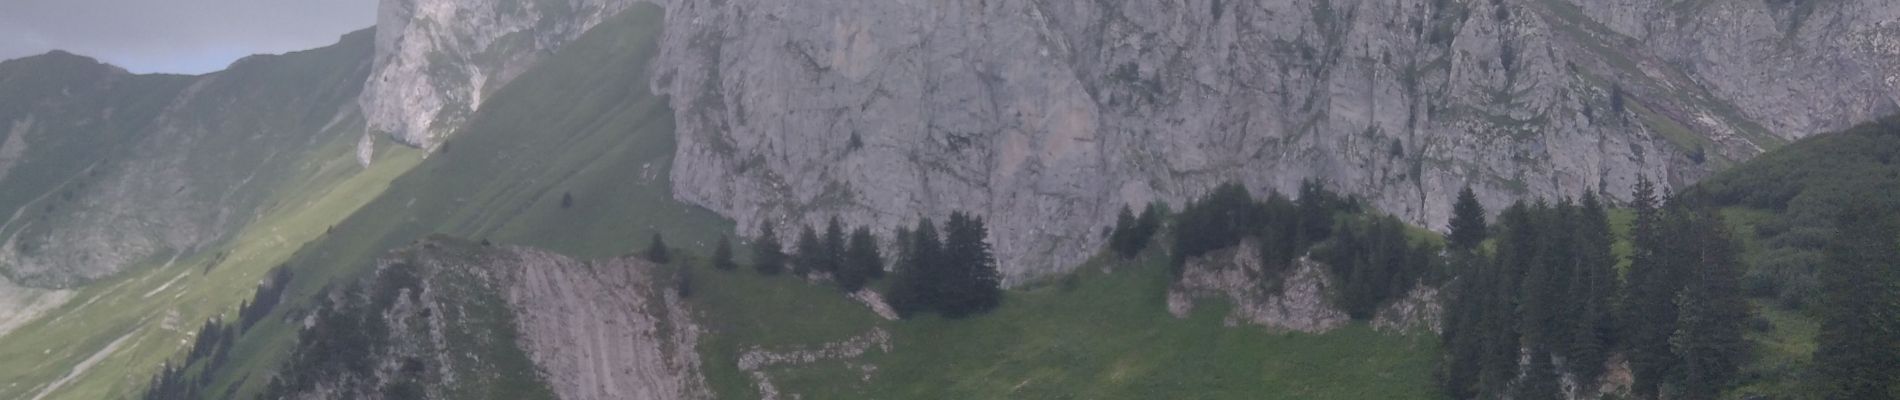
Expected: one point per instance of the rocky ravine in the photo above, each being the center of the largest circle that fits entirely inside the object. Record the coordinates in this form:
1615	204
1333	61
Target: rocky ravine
607	329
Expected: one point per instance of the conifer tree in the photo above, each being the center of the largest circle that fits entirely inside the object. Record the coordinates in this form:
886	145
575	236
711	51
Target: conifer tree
973	285
1649	316
834	246
1708	340
1592	291
809	252
767	257
1856	355
1467	222
1119	239
921	271
656	250
862	261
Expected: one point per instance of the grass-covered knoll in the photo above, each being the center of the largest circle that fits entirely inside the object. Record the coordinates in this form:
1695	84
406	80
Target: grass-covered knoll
1102	333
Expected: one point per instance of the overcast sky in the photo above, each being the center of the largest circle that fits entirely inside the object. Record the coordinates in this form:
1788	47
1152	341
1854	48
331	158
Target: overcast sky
176	36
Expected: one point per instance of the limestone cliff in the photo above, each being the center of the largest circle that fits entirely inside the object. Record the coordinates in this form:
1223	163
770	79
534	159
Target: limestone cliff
1047	117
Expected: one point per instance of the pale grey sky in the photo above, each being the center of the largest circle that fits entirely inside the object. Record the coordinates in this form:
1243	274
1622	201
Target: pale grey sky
176	36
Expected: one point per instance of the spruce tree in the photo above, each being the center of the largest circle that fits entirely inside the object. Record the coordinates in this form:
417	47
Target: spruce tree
656	250
921	272
767	257
973	284
834	246
861	261
722	255
1858	348
1593	291
809	252
1119	238
1467	222
1146	226
1708	341
1649	315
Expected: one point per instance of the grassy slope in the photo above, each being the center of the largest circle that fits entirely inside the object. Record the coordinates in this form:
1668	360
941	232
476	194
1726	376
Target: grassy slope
582	123
157	307
1098	334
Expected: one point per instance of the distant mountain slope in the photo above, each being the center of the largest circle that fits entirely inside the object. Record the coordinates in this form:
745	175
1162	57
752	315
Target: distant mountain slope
108	170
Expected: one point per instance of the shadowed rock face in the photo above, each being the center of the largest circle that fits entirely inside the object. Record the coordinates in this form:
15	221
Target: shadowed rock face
1047	117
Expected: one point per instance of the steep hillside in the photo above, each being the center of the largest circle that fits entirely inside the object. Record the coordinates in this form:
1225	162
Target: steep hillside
588	106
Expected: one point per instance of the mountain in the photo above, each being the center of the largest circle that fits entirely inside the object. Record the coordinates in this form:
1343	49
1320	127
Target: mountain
1048	117
107	169
488	145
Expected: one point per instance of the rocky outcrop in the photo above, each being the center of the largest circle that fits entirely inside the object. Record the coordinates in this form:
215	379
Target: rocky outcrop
1422	308
1293	300
437	60
603	330
755	361
1048	117
451	319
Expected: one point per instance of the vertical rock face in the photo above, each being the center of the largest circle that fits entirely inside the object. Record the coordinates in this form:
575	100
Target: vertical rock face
437	59
1047	117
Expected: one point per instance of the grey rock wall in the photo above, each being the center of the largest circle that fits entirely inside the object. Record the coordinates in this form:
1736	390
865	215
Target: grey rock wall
1047	117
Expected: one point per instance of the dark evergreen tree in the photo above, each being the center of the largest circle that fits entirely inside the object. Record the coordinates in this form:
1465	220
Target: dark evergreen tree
1146	226
1543	291
1502	343
1708	340
1467	222
861	261
1121	237
920	273
1650	308
809	252
1317	206
656	250
1858	348
974	285
767	257
722	255
834	246
1593	291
